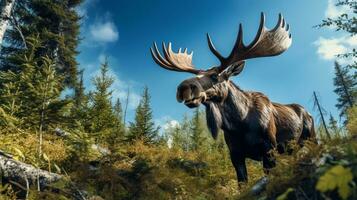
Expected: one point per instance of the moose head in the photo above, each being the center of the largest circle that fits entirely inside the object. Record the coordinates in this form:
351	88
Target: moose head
210	85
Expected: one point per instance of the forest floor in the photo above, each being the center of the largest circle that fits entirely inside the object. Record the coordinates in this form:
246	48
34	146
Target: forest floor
141	171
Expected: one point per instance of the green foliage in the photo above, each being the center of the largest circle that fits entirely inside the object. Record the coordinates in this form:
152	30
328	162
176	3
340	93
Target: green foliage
345	88
79	117
7	192
56	23
101	109
352	121
329	166
337	177
143	128
103	122
118	113
31	92
333	126
6	120
285	195
180	135
198	139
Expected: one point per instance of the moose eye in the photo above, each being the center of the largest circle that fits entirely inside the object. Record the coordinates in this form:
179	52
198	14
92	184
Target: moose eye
214	77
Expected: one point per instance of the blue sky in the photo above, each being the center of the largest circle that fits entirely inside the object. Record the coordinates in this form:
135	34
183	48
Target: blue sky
123	31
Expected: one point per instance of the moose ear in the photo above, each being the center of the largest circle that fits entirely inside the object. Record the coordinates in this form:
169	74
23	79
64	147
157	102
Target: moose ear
234	69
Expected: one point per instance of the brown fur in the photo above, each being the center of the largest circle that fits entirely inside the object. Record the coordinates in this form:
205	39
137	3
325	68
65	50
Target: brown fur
251	122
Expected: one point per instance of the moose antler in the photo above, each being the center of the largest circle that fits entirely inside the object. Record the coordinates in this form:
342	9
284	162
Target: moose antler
180	61
266	43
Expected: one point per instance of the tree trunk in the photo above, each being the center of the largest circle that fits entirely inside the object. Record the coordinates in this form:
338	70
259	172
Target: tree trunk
20	174
5	17
17	171
316	100
345	89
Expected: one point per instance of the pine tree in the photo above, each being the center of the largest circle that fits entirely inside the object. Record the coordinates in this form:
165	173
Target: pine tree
80	108
198	136
101	112
143	127
80	98
333	126
345	88
57	24
118	111
31	92
175	137
180	135
119	129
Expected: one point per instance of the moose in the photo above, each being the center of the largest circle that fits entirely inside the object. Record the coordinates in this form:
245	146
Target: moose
252	124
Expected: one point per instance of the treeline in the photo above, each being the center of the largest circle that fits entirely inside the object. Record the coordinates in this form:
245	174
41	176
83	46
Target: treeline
83	136
30	99
38	62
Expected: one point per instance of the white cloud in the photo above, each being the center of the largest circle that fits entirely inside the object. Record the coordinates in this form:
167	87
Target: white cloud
329	48
171	124
82	10
104	31
167	123
334	11
352	41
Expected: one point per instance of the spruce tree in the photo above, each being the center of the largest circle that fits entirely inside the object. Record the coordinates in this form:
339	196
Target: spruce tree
57	24
80	98
32	90
180	135
333	126
143	128
198	136
345	88
101	114
173	136
118	111
118	131
80	108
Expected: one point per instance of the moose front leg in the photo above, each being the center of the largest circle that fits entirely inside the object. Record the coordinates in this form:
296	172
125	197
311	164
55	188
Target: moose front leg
238	162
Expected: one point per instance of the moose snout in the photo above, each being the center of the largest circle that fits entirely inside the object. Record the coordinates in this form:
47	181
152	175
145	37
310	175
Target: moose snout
187	91
183	92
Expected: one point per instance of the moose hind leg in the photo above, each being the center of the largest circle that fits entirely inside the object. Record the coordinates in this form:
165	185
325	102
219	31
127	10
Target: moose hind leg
268	157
